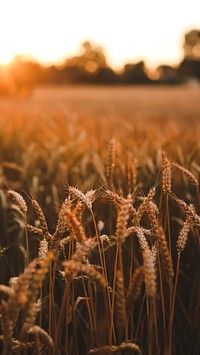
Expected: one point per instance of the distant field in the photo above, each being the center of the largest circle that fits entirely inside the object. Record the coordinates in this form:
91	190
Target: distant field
119	100
168	110
165	115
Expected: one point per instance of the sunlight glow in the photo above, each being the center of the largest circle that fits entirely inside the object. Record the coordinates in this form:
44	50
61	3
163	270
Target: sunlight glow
129	31
6	58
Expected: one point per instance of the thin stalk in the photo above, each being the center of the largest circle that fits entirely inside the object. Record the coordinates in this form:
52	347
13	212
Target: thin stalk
160	201
67	320
104	269
149	327
168	224
162	301
99	246
71	247
113	295
52	274
173	304
74	328
198	195
130	275
50	299
122	273
61	314
40	322
107	290
171	300
90	313
27	241
156	327
139	318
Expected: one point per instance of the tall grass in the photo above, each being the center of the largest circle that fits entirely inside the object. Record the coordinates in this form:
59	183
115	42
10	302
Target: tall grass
109	263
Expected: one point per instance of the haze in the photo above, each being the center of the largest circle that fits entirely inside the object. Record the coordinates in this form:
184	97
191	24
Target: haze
129	31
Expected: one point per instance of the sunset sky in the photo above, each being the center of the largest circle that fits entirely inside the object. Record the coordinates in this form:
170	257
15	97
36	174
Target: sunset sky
128	30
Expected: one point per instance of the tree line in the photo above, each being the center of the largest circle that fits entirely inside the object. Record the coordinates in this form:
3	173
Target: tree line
91	67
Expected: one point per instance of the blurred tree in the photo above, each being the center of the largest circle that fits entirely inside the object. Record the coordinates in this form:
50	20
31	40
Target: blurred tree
167	74
192	45
91	59
190	66
135	74
90	66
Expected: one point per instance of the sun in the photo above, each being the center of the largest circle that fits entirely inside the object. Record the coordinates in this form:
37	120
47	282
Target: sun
6	57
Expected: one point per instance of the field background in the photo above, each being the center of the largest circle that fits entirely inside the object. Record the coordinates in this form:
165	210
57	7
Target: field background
129	100
68	122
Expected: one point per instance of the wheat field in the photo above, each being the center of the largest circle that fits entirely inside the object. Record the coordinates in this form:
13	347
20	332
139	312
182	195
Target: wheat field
99	221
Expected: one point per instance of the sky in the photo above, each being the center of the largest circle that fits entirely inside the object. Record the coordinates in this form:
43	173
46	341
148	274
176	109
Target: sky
128	30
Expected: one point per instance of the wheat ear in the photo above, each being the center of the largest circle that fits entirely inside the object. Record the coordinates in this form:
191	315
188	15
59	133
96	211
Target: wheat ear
110	164
183	235
166	257
166	174
141	237
83	250
120	305
43	336
122	220
19	200
191	178
144	205
130	347
73	268
61	226
189	210
75	226
131	177
41	217
149	273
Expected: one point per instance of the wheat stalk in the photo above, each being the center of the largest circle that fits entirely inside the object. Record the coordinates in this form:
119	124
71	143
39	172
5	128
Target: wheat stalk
61	226
183	235
44	337
114	197
32	293
149	273
7	329
141	237
41	217
152	215
134	290
86	199
120	304
131	177
110	164
19	200
73	268
142	208
166	174
43	249
130	347
166	257
191	178
83	249
189	210
122	220
30	319
74	225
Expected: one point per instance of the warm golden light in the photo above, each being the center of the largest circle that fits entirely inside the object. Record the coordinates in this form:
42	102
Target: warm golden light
129	31
6	58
